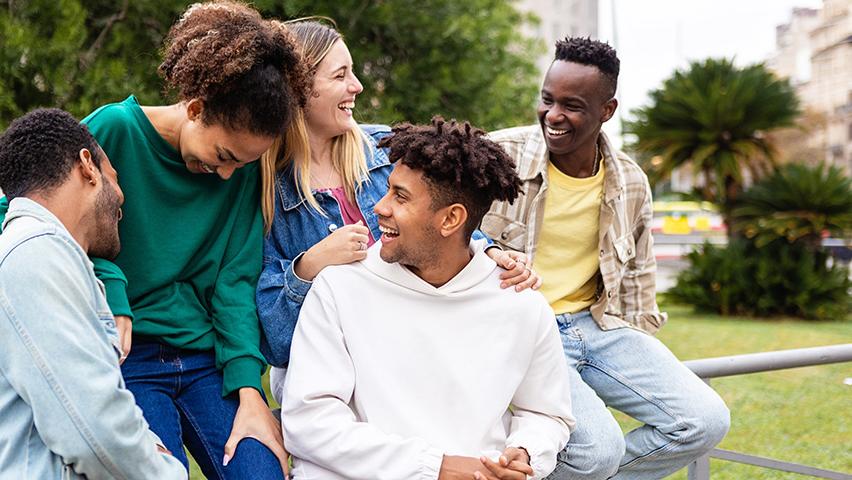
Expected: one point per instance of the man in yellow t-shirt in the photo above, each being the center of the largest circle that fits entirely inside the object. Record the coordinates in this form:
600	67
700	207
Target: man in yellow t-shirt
583	219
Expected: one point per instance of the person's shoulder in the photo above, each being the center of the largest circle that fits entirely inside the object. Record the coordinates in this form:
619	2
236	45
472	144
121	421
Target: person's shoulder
632	172
37	249
514	135
117	113
375	131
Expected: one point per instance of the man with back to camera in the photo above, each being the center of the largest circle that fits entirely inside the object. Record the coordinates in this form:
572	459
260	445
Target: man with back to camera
64	411
404	366
584	219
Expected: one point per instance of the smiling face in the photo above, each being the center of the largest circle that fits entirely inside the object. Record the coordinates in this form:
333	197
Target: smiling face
410	227
329	110
573	106
214	149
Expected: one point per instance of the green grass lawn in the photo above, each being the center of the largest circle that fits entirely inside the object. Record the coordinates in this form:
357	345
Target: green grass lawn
802	415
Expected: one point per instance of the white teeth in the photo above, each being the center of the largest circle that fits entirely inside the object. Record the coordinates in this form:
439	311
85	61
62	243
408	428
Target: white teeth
346	106
553	131
389	231
206	167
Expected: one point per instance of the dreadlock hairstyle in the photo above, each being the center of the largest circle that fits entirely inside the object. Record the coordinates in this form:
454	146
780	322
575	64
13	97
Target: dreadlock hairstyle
39	150
585	51
459	163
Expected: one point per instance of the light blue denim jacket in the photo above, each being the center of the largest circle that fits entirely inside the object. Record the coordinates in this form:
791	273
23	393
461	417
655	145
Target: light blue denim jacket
64	411
296	227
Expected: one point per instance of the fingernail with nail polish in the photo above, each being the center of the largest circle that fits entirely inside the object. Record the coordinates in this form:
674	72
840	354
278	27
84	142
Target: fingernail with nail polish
225	460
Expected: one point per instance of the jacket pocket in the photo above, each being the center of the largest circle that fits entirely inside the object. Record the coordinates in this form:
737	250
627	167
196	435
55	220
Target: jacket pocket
507	232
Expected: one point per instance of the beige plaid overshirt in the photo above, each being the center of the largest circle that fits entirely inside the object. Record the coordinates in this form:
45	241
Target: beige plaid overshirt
627	294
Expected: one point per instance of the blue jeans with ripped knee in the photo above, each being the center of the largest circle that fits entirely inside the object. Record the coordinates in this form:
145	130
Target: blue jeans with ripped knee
633	372
180	394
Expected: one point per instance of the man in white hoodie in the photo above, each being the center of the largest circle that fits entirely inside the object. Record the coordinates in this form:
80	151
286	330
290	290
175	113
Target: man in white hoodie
414	364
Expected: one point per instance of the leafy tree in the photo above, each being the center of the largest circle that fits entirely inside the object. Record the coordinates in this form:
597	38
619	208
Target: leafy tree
419	58
715	116
797	203
415	58
78	55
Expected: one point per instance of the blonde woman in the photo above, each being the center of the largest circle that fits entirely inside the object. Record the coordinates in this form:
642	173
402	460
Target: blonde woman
327	181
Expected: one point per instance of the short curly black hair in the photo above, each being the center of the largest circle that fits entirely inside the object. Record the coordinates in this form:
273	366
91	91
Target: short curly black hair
39	149
585	51
247	71
460	164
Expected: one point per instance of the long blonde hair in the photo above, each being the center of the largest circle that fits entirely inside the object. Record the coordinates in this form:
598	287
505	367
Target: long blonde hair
347	150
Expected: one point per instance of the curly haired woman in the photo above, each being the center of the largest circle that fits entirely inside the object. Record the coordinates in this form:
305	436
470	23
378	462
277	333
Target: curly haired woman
192	235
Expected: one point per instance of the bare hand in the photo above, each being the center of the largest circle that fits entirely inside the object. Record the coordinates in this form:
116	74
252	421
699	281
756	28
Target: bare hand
514	464
518	272
255	420
463	468
345	245
124	325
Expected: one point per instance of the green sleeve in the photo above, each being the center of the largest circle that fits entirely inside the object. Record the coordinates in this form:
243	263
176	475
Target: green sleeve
234	309
115	283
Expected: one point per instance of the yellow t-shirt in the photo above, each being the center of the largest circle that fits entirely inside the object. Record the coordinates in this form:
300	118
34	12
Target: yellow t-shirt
567	253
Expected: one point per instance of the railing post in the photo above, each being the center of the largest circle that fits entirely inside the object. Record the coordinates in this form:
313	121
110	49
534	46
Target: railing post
700	468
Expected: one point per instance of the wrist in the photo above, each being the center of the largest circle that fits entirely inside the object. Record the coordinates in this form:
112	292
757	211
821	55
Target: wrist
305	266
249	394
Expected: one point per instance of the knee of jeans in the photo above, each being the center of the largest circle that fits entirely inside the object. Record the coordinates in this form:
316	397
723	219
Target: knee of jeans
709	424
601	457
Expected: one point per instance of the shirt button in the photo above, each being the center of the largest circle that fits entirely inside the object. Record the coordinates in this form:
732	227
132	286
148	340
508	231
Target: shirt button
629	251
504	235
602	253
332	228
609	294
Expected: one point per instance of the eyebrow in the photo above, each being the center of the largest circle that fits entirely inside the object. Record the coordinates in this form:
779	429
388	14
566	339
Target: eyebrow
229	155
569	98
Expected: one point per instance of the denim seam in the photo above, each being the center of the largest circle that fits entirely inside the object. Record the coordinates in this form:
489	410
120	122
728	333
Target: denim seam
207	448
679	423
612	373
76	419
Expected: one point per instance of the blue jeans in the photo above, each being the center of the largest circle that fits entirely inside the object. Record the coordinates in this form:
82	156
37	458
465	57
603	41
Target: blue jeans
635	373
180	394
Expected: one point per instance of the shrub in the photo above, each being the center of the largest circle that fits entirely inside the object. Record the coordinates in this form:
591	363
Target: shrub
779	278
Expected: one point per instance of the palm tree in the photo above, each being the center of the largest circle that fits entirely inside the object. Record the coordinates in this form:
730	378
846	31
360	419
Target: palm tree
798	203
714	116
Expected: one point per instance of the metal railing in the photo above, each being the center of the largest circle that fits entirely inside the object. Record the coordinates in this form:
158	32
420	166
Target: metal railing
764	362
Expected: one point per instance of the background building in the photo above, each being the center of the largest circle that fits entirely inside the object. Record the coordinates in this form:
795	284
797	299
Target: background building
558	19
814	50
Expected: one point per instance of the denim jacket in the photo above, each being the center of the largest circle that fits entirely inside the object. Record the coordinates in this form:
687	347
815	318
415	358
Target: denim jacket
64	411
296	227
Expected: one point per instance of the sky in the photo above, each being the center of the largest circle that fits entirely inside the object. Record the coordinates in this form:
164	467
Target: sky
655	37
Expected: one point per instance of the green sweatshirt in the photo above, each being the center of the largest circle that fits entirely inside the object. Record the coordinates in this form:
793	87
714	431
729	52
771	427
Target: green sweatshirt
191	246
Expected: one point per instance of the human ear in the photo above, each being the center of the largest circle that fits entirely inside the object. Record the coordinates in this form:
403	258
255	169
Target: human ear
454	218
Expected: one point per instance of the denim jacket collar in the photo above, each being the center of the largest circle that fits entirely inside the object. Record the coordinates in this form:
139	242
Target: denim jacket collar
25	207
286	185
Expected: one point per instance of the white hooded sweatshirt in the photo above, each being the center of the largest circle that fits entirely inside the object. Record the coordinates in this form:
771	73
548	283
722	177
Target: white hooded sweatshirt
388	373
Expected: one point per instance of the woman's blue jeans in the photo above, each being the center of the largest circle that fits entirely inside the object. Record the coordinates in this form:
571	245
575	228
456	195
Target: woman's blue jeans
180	394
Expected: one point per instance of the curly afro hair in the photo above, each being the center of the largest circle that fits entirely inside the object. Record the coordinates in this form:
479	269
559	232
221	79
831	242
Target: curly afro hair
39	149
585	51
459	163
247	71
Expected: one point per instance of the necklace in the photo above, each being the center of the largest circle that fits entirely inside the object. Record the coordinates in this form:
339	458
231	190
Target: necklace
597	160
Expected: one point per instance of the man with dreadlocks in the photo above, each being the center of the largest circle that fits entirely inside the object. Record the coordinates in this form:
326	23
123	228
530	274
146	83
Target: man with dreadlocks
585	221
404	366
